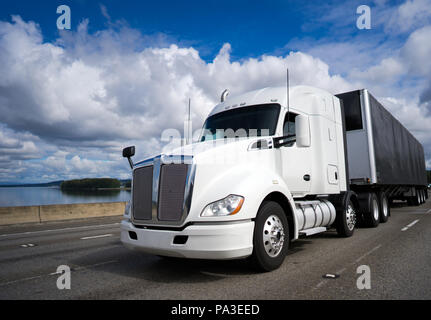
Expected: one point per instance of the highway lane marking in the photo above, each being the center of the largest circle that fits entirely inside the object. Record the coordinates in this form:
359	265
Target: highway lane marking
96	237
410	225
56	273
339	272
62	229
367	254
429	211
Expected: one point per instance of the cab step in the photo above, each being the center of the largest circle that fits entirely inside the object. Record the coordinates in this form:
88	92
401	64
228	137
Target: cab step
309	232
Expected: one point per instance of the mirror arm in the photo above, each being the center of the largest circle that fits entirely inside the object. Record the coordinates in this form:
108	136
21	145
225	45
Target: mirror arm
130	162
281	141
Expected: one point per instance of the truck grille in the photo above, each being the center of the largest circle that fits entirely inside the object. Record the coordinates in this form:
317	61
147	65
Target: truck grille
171	191
142	193
159	192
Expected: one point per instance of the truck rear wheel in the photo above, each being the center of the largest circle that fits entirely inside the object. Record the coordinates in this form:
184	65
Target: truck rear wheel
271	237
372	213
384	207
416	199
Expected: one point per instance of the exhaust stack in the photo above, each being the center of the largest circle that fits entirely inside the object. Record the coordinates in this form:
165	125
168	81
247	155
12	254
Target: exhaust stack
224	95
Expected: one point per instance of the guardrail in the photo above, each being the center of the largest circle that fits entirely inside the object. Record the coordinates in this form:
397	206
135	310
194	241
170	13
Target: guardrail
58	212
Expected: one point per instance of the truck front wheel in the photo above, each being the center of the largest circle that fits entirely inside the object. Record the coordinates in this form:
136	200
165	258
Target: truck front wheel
271	237
345	220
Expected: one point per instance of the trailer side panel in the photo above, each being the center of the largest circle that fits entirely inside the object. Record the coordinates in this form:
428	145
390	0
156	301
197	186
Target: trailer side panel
399	156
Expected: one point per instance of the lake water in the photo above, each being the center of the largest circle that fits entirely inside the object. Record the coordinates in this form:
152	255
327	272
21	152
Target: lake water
31	196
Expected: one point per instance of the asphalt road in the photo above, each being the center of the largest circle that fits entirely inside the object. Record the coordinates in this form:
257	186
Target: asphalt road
398	254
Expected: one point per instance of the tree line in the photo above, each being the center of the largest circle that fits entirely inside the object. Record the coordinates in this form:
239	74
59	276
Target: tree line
91	183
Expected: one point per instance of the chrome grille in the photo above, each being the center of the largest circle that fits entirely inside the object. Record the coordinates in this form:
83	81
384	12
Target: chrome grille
162	191
171	191
142	193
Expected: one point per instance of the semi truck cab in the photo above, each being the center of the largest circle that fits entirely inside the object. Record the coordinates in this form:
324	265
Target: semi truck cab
268	168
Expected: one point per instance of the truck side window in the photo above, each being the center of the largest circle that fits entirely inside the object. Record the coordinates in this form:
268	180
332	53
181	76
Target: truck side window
289	127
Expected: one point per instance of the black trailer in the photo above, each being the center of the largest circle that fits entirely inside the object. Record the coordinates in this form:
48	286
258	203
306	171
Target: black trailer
385	161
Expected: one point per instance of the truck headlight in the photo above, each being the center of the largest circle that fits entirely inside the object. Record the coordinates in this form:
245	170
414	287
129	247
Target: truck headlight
224	207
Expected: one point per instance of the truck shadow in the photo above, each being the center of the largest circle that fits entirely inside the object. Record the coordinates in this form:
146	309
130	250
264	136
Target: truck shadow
140	266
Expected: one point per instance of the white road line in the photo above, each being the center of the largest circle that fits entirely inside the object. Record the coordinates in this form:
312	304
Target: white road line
55	273
62	229
323	282
429	211
99	236
410	225
368	253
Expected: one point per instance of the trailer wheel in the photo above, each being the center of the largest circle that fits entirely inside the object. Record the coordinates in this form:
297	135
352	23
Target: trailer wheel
416	199
385	210
346	219
372	215
271	237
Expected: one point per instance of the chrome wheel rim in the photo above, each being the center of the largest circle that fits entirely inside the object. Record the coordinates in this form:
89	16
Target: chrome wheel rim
375	210
385	207
273	236
350	217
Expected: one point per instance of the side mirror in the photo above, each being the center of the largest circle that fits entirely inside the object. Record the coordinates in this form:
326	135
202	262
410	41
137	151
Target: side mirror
128	153
302	130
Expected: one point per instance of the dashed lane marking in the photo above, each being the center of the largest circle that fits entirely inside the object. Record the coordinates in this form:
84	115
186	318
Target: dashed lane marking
410	225
56	230
96	237
55	273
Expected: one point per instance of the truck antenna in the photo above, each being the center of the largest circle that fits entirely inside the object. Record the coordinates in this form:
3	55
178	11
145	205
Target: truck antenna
287	100
188	125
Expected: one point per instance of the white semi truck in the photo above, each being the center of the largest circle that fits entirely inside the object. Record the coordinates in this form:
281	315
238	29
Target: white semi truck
270	168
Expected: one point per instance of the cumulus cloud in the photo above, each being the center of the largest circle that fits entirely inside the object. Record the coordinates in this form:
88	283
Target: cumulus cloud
75	102
90	94
408	16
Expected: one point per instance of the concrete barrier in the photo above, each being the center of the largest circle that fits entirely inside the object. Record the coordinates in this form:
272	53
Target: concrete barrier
15	215
58	212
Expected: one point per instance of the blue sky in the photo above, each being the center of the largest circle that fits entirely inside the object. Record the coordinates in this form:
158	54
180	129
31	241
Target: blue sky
252	27
70	100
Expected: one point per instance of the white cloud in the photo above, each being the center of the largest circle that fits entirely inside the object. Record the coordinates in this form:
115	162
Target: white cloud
76	102
409	15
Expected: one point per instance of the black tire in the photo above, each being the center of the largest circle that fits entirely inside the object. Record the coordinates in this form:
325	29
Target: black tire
385	209
372	213
410	201
263	260
343	220
416	200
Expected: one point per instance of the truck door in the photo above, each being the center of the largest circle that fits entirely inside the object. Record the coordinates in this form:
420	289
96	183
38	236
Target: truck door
296	162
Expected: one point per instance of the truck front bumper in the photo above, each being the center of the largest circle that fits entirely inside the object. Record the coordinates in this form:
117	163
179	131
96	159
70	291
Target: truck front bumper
209	241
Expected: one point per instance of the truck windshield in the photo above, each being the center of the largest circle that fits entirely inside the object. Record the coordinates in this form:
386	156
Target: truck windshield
257	120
